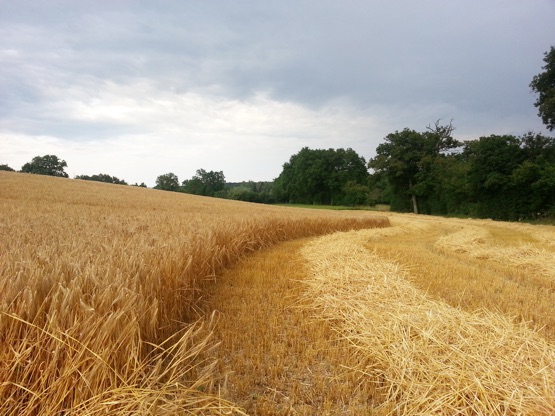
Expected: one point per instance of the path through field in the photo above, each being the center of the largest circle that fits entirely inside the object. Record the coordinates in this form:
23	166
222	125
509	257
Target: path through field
279	359
410	319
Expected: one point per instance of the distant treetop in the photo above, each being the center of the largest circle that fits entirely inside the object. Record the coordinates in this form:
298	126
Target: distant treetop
49	165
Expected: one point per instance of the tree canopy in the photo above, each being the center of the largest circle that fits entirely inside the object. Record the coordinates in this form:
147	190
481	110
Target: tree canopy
407	158
544	85
204	183
321	176
502	177
6	168
46	165
167	182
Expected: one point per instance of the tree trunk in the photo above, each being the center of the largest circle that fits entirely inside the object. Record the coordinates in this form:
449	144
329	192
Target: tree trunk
414	204
413	195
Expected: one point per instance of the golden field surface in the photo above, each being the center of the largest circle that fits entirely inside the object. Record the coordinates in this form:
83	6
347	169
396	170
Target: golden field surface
125	301
427	316
100	289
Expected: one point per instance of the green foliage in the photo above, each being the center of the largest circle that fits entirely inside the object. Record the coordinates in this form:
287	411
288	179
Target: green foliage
250	191
407	159
544	85
356	194
167	182
320	176
492	162
499	177
49	165
102	177
204	183
6	168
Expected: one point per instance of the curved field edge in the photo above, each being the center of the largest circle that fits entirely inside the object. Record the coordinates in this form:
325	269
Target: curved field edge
431	357
100	285
272	357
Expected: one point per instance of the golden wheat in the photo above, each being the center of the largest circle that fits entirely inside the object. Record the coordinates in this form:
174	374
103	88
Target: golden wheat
100	287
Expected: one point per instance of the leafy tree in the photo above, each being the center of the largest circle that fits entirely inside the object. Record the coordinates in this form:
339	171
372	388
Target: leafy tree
192	186
407	159
6	168
544	85
380	189
46	165
204	183
102	177
450	192
398	159
535	176
142	185
319	176
492	162
348	176
356	194
167	182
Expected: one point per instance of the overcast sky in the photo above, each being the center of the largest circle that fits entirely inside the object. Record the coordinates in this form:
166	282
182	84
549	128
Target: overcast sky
136	89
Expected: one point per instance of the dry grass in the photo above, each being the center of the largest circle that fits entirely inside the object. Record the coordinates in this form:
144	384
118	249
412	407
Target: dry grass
507	245
100	287
275	359
432	358
476	264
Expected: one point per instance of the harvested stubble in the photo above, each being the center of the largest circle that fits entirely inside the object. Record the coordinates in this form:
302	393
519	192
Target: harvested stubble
432	358
274	359
99	287
477	264
478	242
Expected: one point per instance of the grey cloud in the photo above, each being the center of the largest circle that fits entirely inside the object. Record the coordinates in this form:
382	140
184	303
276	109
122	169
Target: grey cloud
406	62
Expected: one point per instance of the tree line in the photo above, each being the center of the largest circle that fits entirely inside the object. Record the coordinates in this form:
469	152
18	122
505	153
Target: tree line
213	184
504	177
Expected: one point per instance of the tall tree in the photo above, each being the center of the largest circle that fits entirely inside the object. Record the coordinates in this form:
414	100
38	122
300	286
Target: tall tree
167	182
319	176
407	158
492	162
544	85
535	176
46	165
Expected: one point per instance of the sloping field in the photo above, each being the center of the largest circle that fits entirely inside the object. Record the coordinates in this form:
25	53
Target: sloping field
114	299
100	287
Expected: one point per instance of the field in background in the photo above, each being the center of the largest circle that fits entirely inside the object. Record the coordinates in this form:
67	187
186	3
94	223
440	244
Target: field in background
100	287
379	207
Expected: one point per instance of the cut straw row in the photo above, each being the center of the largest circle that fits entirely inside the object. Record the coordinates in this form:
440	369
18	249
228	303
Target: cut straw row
432	358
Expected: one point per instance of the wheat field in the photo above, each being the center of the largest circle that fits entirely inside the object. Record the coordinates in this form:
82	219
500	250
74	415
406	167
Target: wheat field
118	300
101	284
